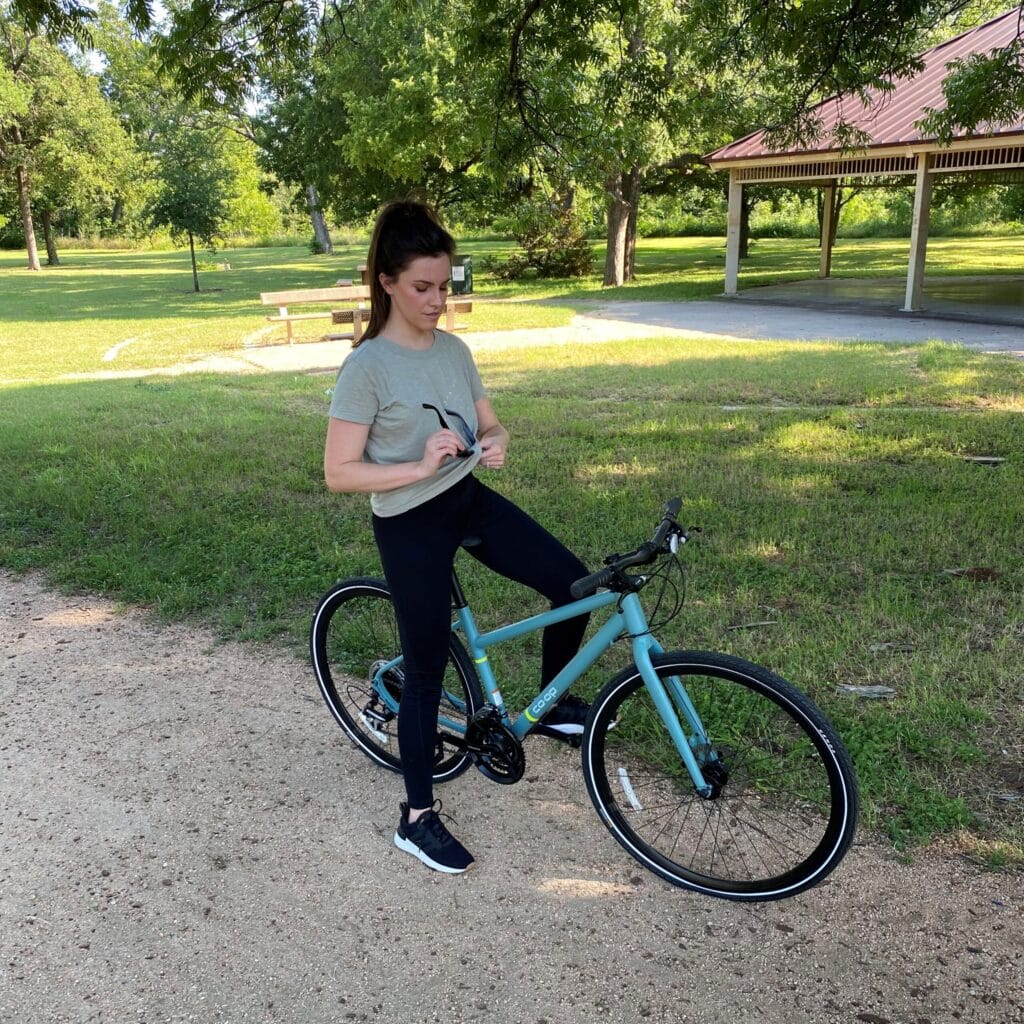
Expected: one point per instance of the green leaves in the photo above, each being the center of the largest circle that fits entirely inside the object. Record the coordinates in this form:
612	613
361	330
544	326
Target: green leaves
982	91
195	186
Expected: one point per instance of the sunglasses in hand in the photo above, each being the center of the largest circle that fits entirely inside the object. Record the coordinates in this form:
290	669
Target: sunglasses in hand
464	431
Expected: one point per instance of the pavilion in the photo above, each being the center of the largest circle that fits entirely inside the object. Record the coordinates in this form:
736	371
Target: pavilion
895	152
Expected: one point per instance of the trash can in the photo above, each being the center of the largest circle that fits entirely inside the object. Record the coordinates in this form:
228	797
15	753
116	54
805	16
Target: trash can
462	275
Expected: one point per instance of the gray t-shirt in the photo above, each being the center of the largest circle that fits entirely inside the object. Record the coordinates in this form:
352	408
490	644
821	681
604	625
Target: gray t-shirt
384	386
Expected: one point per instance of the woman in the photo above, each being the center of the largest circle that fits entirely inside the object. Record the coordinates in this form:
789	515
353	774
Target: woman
410	421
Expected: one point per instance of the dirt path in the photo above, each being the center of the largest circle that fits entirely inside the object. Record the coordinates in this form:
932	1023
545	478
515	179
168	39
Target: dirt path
186	836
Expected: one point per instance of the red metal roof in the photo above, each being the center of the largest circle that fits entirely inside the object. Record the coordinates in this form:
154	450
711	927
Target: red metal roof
888	118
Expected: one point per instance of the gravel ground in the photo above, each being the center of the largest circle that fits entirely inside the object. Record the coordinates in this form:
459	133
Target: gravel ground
187	836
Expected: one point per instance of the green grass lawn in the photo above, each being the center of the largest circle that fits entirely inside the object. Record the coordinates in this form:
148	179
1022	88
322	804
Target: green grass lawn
124	311
830	481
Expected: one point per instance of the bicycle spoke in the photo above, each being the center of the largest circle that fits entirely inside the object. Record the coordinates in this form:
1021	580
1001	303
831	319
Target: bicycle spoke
353	642
769	821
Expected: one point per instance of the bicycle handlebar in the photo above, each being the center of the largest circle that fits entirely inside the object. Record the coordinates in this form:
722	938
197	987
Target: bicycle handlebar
643	555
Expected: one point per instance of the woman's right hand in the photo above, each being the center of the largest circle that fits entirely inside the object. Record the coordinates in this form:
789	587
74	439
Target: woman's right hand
445	444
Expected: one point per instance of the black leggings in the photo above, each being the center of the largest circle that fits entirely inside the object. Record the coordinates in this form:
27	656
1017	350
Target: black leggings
417	549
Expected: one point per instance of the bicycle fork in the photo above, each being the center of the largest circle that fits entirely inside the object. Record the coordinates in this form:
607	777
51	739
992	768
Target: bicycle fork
669	697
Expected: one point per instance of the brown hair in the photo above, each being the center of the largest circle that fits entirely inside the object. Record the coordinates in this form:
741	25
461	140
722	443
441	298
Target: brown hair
405	229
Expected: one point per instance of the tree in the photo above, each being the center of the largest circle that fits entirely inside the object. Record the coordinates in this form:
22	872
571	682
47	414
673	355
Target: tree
612	93
15	107
194	191
157	116
290	136
59	140
980	90
70	20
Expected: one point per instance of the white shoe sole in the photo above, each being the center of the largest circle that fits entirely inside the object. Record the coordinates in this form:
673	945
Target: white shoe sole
563	730
407	846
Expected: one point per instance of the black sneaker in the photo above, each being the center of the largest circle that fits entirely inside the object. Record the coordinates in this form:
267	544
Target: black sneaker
565	720
428	840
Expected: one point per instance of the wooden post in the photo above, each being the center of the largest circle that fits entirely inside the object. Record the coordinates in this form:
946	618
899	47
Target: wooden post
732	238
919	236
827	217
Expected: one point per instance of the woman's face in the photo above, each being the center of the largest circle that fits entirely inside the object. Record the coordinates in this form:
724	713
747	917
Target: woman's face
419	292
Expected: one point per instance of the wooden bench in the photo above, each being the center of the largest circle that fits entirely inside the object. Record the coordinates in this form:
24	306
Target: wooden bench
356	297
452	306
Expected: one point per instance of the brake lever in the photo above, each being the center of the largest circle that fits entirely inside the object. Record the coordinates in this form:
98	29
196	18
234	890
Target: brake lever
680	536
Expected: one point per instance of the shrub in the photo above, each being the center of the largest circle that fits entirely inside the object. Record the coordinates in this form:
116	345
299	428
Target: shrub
552	243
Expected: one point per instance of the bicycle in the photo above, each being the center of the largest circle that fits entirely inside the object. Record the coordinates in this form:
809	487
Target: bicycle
713	772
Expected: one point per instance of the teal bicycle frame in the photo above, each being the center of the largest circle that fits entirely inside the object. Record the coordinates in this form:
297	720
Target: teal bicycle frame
628	619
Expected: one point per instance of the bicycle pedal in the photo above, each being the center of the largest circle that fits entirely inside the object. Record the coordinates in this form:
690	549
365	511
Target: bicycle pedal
371	721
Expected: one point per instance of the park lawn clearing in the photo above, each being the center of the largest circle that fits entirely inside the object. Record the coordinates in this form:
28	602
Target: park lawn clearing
119	312
849	538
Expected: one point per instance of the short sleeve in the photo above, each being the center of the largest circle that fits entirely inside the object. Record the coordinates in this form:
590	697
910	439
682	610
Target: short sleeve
355	397
476	386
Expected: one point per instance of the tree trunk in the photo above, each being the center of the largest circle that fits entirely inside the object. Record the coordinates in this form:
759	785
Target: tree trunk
26	218
618	225
842	198
192	251
320	232
117	212
623	188
52	259
745	207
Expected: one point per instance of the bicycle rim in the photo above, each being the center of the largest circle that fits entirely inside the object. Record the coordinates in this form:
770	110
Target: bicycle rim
784	809
354	634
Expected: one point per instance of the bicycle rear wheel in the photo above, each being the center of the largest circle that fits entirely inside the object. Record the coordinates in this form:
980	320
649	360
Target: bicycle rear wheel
784	805
353	636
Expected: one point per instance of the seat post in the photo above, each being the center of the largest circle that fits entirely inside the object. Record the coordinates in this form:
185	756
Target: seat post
458	597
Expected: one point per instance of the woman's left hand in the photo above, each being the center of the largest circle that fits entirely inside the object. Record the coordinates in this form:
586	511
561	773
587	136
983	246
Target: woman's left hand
492	452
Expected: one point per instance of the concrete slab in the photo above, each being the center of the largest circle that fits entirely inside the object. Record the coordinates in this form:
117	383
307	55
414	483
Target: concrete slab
746	318
737	319
731	319
986	299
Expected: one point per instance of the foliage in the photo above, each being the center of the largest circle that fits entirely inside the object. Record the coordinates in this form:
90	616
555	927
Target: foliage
56	126
69	19
250	208
156	114
194	193
552	243
391	105
981	90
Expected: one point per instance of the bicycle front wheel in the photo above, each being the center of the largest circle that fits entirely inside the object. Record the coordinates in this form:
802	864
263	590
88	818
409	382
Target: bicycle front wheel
353	640
783	804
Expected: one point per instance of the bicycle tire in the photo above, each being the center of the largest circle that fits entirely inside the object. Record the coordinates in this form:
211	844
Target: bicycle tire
786	810
354	630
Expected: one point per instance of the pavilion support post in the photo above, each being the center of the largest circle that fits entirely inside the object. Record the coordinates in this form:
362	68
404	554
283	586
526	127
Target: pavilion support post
732	238
828	216
919	236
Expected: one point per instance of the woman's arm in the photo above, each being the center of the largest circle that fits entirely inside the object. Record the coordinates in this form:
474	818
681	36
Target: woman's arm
493	437
345	470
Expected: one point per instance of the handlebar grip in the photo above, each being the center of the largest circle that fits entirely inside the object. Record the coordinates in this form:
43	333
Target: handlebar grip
588	584
672	508
644	555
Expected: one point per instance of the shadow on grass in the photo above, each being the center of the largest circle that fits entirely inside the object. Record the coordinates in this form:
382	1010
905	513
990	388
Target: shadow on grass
158	285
